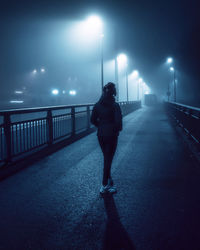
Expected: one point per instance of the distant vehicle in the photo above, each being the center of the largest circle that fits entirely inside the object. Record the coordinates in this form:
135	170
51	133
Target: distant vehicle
150	99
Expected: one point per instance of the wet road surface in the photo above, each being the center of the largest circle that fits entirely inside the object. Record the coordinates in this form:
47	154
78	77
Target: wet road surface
55	203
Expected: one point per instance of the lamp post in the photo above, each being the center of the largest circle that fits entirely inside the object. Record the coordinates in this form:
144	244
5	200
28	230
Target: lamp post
127	83
102	36
172	69
116	79
94	26
138	86
122	61
169	61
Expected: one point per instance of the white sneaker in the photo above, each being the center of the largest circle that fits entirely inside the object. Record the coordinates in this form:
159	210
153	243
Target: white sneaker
112	189
107	189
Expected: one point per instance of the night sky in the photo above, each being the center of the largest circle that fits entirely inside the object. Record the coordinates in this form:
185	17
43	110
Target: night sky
148	31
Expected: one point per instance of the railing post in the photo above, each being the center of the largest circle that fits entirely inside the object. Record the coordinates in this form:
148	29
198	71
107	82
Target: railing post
7	130
49	127
88	117
73	121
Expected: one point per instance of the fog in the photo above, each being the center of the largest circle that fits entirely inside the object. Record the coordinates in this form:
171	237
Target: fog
40	55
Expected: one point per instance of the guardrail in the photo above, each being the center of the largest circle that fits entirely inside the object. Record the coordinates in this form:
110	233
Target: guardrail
23	131
187	117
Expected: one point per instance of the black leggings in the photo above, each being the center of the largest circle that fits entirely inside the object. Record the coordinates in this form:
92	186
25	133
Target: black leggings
108	146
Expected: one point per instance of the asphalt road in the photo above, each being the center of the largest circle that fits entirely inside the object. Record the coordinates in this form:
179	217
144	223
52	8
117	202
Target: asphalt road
55	204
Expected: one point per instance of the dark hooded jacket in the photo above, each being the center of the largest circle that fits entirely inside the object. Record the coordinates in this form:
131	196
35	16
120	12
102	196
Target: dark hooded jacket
107	116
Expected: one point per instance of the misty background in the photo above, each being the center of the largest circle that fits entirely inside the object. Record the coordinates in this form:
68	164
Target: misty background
36	35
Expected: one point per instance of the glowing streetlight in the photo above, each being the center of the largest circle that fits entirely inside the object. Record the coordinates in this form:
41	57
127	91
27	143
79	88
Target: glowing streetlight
35	71
169	60
42	70
122	61
72	92
55	91
94	24
135	73
140	80
101	37
172	69
92	27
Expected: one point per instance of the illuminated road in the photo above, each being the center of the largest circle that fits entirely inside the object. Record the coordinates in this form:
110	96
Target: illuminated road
55	203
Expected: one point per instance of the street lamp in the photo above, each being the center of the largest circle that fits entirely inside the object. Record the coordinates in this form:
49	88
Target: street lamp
169	60
55	91
116	78
140	80
101	37
94	26
135	73
72	92
122	61
172	69
127	83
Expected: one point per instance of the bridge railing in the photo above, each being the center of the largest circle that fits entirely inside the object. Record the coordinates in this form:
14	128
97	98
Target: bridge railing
187	117
24	131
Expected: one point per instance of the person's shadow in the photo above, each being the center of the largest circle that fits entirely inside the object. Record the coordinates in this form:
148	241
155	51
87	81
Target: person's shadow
116	237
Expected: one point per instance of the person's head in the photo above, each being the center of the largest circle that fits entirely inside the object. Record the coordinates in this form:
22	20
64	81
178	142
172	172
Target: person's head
109	89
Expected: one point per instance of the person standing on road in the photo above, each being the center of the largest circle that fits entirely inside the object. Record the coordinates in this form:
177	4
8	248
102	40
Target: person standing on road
107	117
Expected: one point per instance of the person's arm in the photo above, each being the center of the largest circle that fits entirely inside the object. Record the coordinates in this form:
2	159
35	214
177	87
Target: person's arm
94	117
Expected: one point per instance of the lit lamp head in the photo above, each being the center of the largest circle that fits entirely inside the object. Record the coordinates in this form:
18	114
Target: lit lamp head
122	59
72	92
169	60
135	73
93	26
171	69
140	80
94	22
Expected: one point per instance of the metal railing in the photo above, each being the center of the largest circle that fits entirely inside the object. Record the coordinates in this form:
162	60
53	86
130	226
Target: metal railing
28	130
187	117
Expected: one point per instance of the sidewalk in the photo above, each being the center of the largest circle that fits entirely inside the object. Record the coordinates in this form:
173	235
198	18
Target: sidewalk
55	204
